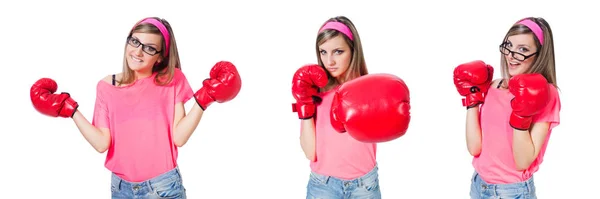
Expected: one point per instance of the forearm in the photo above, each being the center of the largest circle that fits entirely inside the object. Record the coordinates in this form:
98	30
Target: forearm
187	125
307	139
473	131
523	149
98	139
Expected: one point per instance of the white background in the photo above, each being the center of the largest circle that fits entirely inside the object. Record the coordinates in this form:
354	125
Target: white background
249	147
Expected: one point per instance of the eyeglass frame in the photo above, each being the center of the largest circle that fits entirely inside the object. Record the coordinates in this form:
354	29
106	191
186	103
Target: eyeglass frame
525	57
144	46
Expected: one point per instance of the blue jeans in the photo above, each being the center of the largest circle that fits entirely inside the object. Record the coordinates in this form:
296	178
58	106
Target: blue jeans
327	187
482	190
167	185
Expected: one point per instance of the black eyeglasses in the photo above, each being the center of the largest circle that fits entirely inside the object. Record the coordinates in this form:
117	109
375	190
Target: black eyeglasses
518	56
147	49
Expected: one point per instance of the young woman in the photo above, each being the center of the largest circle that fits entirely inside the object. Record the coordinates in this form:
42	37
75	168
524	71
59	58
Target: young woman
139	116
342	167
510	120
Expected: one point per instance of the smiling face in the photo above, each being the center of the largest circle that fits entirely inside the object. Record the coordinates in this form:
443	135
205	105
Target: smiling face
142	52
336	56
520	53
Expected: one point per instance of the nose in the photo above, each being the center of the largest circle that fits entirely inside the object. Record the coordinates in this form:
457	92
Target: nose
330	60
511	56
138	50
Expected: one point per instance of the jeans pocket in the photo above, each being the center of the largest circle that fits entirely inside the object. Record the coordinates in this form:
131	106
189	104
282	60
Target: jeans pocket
371	185
114	186
315	179
170	189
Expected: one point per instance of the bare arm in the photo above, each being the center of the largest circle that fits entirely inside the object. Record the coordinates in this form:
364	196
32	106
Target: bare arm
473	131
307	139
527	144
185	124
99	138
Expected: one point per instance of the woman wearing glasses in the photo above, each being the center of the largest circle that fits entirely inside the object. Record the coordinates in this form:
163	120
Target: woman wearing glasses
139	116
510	120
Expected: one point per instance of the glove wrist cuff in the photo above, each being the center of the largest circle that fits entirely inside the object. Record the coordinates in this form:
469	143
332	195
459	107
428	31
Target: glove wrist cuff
305	111
69	107
520	122
203	99
473	99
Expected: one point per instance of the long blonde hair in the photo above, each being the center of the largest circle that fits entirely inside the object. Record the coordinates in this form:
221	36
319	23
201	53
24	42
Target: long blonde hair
357	66
166	68
544	63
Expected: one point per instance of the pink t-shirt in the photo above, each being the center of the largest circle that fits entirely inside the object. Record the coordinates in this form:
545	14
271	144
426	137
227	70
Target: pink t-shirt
140	118
338	154
496	163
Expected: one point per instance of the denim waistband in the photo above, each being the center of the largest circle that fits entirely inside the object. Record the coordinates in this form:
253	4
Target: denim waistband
367	177
167	176
527	184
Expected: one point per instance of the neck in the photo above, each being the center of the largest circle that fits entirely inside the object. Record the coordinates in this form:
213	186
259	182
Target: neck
339	79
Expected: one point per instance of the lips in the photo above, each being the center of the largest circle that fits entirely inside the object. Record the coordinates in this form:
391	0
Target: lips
513	64
136	59
332	69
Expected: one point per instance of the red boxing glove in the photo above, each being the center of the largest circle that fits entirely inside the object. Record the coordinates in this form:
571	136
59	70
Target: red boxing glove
47	103
531	96
223	85
472	80
305	87
372	108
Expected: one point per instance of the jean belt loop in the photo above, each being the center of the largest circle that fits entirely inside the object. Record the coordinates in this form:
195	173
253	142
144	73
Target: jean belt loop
530	185
178	172
361	182
149	185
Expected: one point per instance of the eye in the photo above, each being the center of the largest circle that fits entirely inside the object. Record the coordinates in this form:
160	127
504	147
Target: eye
523	49
150	49
339	52
323	52
135	41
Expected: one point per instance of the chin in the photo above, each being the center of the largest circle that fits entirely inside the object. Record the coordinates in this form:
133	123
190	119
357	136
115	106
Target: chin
514	72
336	74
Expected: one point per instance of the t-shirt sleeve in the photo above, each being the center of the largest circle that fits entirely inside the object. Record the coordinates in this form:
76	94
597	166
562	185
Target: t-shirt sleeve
100	119
183	90
551	112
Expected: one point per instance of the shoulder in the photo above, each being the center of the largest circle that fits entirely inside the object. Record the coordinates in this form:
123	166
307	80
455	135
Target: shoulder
104	84
108	79
178	76
496	82
554	95
172	78
177	73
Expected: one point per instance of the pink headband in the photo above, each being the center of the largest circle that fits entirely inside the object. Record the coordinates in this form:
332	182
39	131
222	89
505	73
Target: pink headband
163	31
334	25
535	28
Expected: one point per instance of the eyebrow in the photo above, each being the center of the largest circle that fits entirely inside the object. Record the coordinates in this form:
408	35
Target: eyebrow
338	48
520	45
147	44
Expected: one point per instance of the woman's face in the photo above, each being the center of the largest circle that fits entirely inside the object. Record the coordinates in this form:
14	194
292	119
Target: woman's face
142	51
520	52
336	56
